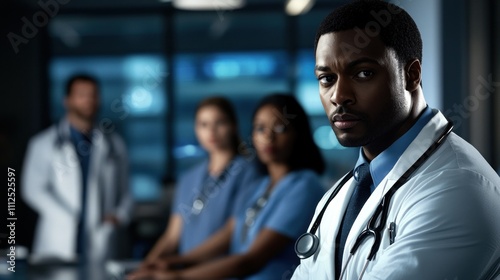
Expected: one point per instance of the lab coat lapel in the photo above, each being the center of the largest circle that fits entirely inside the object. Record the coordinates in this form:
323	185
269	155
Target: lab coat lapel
419	145
327	230
67	184
429	134
95	188
101	195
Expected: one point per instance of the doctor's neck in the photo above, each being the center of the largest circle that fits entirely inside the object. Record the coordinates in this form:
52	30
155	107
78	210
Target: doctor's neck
218	160
381	143
84	125
277	172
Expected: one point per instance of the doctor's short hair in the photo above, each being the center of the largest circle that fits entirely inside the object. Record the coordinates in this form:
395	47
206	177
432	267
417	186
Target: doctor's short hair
79	77
305	153
393	25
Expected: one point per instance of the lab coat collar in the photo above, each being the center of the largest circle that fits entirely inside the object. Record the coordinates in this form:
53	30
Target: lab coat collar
98	138
385	161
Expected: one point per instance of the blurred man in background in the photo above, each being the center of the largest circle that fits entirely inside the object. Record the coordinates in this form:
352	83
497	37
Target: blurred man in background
76	177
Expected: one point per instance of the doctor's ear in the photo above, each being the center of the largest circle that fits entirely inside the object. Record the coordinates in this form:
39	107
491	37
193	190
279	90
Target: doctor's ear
413	75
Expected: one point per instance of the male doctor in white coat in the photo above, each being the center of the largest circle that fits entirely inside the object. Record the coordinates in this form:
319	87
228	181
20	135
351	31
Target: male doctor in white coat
75	176
444	222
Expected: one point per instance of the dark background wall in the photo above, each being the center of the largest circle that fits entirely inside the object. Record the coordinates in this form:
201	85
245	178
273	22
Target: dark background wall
24	106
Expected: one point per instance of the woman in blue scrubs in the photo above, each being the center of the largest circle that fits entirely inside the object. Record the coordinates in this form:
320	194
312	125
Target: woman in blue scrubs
206	195
260	238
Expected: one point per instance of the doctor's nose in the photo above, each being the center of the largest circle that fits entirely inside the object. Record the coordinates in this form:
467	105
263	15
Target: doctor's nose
268	134
342	93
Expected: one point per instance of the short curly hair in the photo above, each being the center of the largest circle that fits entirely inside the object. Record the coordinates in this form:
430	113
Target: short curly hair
80	77
394	26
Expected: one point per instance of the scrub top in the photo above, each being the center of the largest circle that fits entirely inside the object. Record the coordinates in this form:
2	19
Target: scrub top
288	211
220	195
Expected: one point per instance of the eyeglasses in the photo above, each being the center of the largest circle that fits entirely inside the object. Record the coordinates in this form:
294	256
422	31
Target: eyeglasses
277	128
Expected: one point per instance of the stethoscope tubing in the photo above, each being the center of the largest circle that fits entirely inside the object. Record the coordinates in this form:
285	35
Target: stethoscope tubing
382	210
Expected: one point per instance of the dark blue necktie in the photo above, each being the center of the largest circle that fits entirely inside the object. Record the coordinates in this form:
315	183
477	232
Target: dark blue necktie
359	196
83	145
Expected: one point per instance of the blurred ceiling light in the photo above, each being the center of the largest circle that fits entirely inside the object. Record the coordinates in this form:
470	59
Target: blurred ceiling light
208	4
297	7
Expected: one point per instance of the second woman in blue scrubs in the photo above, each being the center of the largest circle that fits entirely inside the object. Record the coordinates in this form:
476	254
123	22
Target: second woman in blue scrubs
261	236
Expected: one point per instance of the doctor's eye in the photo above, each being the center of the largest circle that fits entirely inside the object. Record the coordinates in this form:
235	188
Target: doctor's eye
326	79
276	128
201	124
279	128
259	128
365	74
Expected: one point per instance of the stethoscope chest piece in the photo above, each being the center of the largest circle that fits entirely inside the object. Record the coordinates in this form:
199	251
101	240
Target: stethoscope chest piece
306	245
197	207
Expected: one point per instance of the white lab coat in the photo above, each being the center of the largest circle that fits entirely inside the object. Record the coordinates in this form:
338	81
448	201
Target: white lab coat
51	185
447	219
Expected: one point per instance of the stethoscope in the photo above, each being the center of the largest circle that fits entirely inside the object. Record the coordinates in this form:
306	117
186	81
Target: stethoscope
252	212
307	244
62	137
208	188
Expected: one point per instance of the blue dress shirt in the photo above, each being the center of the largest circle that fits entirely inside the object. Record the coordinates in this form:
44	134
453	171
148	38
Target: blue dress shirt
83	146
385	161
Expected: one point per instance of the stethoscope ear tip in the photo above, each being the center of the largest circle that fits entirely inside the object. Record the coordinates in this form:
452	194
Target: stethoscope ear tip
306	245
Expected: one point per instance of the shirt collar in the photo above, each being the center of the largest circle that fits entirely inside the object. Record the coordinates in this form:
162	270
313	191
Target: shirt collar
76	135
385	161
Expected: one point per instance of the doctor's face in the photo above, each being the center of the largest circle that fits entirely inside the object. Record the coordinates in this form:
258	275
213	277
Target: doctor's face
213	129
272	138
362	90
83	100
